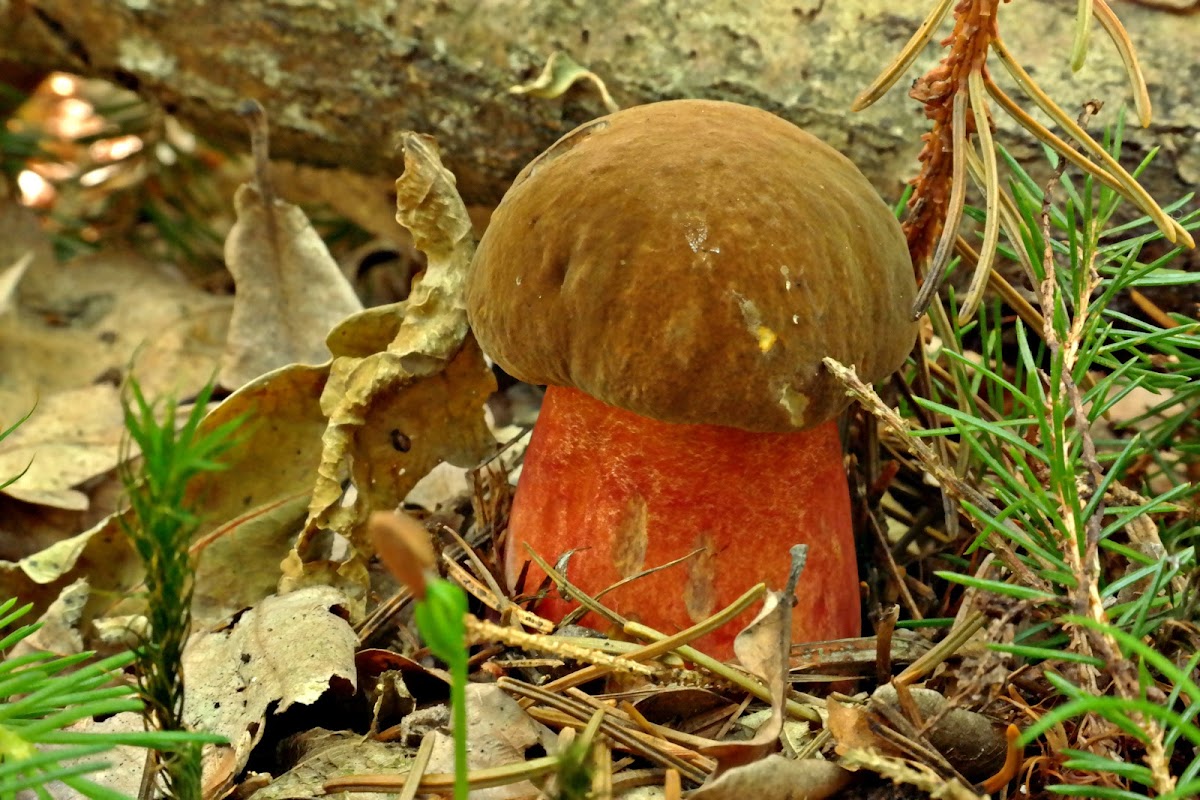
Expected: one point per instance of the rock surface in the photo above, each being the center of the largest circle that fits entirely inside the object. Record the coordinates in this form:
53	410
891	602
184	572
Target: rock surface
340	77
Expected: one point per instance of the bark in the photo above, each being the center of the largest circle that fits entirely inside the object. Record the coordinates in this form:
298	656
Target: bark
339	78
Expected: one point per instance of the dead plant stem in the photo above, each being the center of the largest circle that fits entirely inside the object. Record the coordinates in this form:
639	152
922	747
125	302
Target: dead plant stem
951	484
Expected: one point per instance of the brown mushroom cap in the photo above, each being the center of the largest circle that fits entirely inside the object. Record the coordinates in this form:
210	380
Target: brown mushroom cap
693	261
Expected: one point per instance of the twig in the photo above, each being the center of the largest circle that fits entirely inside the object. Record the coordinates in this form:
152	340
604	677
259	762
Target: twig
636	741
480	630
751	684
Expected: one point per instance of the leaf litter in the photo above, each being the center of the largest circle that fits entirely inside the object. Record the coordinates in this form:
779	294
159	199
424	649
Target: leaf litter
349	410
290	291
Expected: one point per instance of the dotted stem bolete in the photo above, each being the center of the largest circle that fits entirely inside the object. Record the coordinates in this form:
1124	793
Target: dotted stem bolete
675	273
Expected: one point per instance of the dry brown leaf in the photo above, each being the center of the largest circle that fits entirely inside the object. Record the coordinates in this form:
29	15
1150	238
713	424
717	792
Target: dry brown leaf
242	565
96	318
289	649
290	291
973	744
851	727
777	778
250	511
322	754
59	625
25	529
763	648
70	438
125	763
9	279
499	732
101	554
407	384
427	203
254	507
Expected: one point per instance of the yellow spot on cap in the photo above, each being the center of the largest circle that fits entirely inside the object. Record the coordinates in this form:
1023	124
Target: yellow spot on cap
766	338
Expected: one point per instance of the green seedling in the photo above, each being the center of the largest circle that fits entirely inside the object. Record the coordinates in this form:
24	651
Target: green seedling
403	545
42	696
160	524
440	620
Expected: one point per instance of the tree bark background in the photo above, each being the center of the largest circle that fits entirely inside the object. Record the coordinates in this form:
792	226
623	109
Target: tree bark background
340	77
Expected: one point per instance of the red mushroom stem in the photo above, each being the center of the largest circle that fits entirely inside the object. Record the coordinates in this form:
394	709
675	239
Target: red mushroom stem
630	493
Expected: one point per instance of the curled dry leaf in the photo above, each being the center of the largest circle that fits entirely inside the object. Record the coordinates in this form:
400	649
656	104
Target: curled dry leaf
763	647
407	384
560	73
290	291
427	203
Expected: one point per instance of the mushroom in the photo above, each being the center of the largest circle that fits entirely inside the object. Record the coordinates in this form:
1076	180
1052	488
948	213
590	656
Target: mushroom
674	273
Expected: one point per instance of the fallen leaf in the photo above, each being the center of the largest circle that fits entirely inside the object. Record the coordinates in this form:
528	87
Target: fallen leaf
26	529
253	506
777	778
102	554
407	385
321	755
390	700
973	744
671	706
242	565
70	438
763	647
851	728
393	428
499	733
58	627
98	319
288	650
290	291
125	764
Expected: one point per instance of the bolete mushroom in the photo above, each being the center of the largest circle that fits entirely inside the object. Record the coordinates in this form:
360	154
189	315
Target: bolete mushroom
675	272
